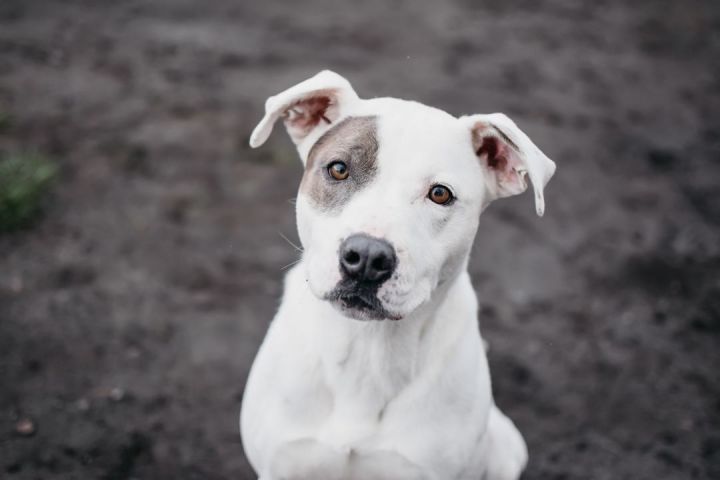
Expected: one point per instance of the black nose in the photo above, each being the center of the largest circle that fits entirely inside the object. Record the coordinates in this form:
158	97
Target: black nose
367	259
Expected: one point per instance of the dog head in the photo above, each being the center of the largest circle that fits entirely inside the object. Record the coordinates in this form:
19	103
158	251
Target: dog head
393	190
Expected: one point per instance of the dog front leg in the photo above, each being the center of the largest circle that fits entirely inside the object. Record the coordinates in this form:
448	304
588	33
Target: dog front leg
384	465
308	459
507	455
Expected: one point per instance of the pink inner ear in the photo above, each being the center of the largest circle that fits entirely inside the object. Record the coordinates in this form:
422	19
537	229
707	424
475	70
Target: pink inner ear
495	151
500	158
307	113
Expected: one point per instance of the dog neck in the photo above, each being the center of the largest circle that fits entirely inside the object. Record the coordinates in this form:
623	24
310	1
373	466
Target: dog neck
385	356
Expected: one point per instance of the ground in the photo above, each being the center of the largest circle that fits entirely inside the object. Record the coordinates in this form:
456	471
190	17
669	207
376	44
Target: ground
131	311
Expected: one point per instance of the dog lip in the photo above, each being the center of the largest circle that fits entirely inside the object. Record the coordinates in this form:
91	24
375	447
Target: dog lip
360	301
354	297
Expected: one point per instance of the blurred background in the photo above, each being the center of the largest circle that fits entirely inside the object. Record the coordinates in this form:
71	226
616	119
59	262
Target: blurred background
141	255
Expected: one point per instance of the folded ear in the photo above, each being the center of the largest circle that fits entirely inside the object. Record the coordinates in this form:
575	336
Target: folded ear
507	155
308	106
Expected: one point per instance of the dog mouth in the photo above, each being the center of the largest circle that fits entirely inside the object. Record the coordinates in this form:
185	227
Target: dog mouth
359	302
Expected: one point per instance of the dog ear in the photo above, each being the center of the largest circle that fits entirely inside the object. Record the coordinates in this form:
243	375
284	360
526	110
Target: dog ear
311	105
507	155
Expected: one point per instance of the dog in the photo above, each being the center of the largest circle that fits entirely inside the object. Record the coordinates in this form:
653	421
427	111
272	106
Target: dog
374	366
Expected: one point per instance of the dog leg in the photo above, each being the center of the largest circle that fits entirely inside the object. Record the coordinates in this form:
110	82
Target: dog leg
384	465
507	454
307	459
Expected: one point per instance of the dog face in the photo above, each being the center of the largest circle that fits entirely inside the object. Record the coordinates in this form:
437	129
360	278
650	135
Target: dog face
392	192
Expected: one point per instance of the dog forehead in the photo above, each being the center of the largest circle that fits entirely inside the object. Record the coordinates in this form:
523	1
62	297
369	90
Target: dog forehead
390	123
397	121
407	118
411	134
423	145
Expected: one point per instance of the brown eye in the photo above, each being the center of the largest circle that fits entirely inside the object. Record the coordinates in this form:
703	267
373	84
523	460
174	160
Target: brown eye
338	170
440	194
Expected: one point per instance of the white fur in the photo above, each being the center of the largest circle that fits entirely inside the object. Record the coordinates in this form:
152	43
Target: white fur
331	397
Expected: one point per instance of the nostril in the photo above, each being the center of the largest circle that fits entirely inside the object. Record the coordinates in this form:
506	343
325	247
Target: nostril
379	264
352	257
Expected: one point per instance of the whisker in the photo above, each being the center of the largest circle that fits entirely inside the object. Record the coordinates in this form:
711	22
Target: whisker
291	264
299	249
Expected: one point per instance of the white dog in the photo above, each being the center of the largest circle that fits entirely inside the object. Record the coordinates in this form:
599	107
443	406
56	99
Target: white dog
374	367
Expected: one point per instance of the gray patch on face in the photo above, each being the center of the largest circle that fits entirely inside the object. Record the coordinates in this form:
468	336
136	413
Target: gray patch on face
440	223
352	141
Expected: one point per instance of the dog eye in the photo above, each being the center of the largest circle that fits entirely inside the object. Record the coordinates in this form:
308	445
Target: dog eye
338	170
440	194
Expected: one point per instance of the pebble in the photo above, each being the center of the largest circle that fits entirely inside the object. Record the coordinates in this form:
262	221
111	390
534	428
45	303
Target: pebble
25	427
117	394
82	405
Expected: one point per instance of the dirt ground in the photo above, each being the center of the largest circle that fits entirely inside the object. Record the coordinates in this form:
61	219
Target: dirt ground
130	313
